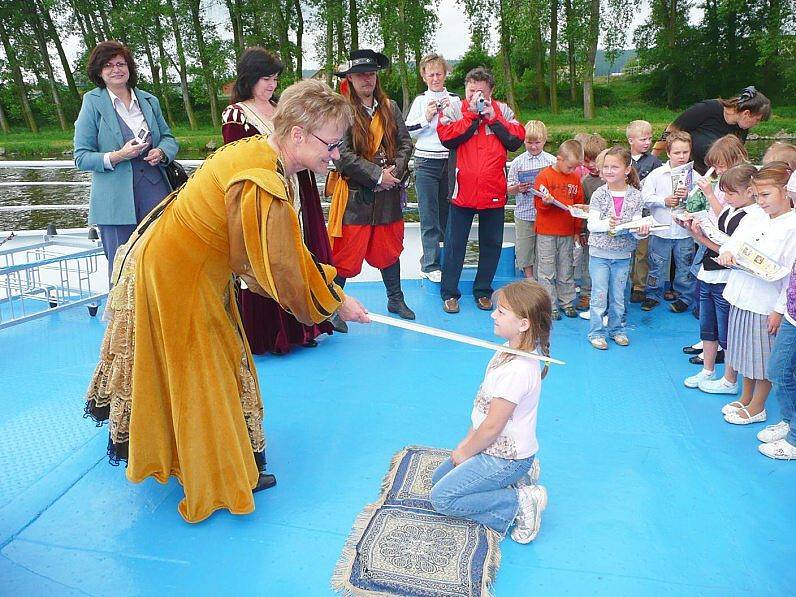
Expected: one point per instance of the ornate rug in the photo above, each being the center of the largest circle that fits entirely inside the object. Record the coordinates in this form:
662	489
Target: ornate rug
400	546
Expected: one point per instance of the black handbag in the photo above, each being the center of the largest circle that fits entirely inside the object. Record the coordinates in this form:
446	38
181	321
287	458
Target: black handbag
176	175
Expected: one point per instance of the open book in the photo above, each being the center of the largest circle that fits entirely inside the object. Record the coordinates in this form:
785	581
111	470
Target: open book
705	223
753	261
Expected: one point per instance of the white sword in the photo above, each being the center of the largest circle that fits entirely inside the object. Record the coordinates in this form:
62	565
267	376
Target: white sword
424	329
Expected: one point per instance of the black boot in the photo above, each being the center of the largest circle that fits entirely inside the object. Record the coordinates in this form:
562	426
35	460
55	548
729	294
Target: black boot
395	297
266	480
338	324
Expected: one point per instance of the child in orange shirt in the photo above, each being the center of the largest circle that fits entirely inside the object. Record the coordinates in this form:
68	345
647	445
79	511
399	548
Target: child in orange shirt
556	228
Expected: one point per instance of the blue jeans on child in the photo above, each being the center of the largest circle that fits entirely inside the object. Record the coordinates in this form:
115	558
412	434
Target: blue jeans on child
714	313
608	281
683	282
782	373
480	489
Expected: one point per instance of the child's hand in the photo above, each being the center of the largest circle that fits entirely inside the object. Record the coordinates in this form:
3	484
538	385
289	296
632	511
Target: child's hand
671	201
583	239
680	192
774	319
548	199
726	259
613	221
457	457
704	184
643	230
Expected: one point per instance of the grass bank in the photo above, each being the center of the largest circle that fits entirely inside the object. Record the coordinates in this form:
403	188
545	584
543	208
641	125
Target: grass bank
610	123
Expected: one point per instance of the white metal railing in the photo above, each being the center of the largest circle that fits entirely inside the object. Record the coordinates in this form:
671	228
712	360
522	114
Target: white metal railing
70	165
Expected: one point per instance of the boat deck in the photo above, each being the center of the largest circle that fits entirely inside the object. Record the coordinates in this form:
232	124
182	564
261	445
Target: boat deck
651	492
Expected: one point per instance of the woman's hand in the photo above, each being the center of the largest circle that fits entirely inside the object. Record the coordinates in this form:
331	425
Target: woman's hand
726	259
131	149
155	155
774	319
352	310
431	110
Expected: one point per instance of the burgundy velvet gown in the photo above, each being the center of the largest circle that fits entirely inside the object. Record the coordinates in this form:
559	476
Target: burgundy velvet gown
269	328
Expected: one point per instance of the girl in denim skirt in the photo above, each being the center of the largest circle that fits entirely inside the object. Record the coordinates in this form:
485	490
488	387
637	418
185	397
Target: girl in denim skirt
491	475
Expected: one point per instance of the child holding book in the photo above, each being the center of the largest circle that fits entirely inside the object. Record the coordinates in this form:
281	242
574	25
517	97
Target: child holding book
639	138
617	202
522	173
756	305
486	479
557	187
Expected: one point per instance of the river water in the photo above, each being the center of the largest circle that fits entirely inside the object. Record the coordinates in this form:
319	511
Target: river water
38	220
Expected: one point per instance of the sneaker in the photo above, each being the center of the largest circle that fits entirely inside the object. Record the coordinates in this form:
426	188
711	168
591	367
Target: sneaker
692	381
599	343
433	276
648	304
533	501
570	312
637	296
717	386
774	433
585	315
532	476
556	315
679	306
779	450
583	303
451	305
621	340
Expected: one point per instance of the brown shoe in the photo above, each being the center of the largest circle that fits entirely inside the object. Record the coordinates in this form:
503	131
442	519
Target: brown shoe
451	305
637	296
484	303
583	303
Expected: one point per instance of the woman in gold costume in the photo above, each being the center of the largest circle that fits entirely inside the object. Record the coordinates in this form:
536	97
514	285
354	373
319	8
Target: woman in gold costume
176	378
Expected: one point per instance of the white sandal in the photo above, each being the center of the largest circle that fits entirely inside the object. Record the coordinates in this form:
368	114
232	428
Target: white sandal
736	419
732	407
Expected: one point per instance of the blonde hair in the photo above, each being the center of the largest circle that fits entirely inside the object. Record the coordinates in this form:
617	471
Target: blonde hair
600	159
638	126
593	146
527	299
535	130
430	59
581	138
571	150
776	174
674	136
726	151
310	105
737	179
781	152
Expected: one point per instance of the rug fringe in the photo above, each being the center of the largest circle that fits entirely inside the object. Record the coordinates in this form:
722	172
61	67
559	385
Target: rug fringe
386	483
492	564
345	563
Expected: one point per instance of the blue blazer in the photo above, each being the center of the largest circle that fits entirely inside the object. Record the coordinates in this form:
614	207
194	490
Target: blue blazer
96	133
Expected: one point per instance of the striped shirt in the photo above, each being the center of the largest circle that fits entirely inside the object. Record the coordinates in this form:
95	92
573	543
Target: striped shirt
532	164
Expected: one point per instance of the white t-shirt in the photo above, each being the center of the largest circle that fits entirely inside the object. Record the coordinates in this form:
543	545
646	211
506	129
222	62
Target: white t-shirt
518	380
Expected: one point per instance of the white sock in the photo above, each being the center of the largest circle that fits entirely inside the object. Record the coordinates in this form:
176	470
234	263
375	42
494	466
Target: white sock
709	372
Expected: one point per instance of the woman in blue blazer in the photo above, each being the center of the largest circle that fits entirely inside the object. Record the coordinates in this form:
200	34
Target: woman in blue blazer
122	138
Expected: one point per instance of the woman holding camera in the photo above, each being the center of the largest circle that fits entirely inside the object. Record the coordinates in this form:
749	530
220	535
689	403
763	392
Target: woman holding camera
122	138
434	163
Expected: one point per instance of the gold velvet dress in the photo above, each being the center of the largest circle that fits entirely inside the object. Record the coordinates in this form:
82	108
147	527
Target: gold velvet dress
176	378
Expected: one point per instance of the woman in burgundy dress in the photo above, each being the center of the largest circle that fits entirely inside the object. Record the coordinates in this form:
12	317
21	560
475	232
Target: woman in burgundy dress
268	327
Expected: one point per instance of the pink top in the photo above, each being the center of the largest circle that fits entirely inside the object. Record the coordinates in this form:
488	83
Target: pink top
619	201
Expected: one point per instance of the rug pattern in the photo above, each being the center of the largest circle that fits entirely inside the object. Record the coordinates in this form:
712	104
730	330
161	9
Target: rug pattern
400	546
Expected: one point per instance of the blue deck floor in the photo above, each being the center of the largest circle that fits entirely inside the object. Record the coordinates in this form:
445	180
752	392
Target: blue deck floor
651	492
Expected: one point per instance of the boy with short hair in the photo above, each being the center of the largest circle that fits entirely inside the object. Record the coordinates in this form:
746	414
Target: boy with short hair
639	137
522	173
591	181
556	228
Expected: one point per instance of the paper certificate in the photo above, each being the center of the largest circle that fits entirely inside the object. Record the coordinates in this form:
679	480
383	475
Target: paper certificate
760	265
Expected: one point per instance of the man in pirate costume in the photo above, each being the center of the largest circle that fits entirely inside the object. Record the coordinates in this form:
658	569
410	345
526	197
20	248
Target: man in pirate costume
366	218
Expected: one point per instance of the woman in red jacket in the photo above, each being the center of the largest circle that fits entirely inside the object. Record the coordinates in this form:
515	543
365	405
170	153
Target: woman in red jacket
268	327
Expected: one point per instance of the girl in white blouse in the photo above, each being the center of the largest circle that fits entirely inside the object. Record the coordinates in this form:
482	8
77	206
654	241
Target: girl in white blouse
757	306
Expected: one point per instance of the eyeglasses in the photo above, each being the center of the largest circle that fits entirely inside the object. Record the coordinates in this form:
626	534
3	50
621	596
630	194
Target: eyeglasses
112	65
329	146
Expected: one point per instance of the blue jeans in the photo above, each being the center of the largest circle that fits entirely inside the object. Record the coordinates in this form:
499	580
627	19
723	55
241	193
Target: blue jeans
714	313
608	281
659	259
490	242
431	185
480	489
782	373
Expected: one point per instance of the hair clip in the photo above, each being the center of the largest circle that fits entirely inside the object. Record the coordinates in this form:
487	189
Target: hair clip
747	93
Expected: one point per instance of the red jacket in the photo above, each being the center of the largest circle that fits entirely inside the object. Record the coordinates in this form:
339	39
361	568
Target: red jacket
481	147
